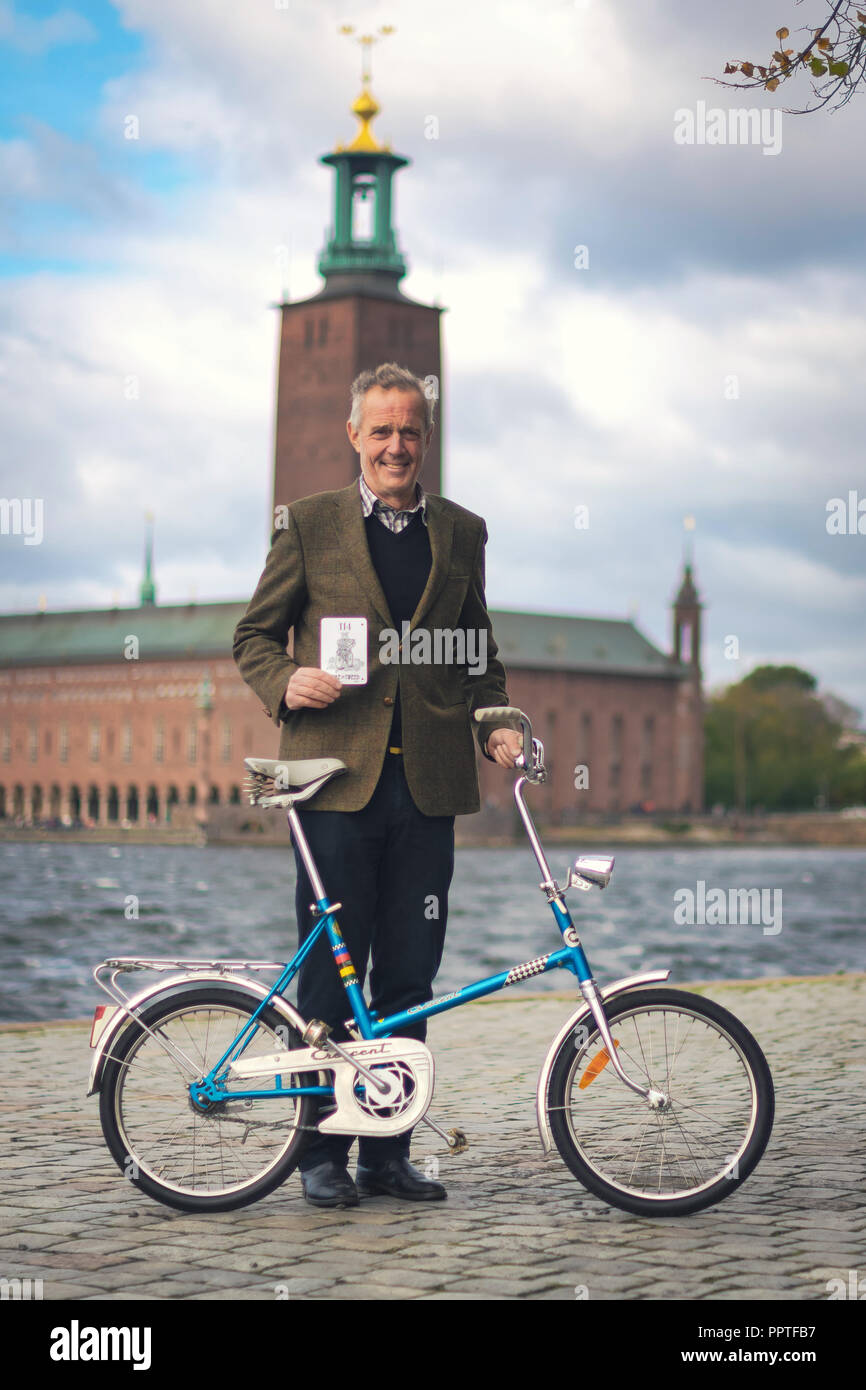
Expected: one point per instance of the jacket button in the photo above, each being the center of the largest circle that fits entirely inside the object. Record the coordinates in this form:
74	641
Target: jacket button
388	700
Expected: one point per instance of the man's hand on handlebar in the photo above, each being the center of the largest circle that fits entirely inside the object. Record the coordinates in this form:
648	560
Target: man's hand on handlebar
504	745
311	688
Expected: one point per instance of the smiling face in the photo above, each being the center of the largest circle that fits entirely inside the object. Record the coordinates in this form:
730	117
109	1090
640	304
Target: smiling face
391	443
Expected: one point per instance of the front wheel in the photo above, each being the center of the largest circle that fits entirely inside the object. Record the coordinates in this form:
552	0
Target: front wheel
707	1138
212	1160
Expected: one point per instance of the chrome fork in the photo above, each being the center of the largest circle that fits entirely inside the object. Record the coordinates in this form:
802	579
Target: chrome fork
657	1100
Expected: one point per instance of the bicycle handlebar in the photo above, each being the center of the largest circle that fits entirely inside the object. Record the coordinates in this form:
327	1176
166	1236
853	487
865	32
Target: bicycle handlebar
488	712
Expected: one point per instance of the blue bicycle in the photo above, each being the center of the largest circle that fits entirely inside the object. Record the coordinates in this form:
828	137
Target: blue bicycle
659	1101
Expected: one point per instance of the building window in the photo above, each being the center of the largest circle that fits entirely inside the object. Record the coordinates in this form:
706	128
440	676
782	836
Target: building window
585	738
94	742
7	745
63	743
364	208
175	743
46	743
227	741
33	742
616	729
192	743
323	332
647	746
109	741
126	752
309	330
159	741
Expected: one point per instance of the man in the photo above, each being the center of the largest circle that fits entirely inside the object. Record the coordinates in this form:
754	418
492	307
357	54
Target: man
382	834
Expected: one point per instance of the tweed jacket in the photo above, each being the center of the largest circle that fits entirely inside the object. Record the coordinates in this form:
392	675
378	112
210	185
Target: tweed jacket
319	566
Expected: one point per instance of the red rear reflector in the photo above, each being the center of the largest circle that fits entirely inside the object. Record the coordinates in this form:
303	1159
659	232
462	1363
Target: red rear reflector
99	1021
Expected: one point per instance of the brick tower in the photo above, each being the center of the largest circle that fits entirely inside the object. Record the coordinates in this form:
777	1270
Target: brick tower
358	319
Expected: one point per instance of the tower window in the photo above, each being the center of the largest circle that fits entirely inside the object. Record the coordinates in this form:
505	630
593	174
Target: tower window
363	208
323	332
309	329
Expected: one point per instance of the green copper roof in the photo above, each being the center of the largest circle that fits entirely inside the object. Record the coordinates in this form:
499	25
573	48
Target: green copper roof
99	634
605	645
536	640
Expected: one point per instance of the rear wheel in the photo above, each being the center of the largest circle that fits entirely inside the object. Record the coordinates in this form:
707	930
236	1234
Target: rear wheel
702	1143
212	1160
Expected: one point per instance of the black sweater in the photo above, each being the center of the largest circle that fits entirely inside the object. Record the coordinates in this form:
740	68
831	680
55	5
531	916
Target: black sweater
402	562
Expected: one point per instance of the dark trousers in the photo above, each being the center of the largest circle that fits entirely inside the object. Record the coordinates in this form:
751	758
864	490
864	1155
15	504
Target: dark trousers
390	866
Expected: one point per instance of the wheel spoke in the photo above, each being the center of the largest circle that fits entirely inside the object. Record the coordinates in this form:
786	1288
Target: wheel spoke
183	1151
703	1065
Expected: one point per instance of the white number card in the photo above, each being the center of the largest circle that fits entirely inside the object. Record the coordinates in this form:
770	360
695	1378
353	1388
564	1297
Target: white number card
344	649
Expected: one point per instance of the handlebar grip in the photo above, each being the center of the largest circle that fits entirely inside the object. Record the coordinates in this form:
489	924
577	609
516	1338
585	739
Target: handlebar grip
499	712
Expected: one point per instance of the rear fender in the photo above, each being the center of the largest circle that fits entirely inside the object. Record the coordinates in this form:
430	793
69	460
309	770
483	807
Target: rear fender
176	987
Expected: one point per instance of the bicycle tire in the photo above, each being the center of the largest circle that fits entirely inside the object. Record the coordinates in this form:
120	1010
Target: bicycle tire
719	1122
191	1174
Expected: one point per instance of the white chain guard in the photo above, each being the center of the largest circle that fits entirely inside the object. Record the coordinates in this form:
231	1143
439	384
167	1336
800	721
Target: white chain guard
406	1064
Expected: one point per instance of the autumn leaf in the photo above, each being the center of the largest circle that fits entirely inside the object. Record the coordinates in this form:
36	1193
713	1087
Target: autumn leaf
748	69
782	33
818	68
839	69
772	84
824	43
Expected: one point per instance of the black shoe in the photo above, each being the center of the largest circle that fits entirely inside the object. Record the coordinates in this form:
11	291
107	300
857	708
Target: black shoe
329	1185
397	1178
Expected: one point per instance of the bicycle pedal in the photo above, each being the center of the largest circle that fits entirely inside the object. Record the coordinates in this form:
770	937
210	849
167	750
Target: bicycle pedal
457	1141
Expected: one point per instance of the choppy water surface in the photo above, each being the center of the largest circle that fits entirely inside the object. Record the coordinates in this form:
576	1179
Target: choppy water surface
62	911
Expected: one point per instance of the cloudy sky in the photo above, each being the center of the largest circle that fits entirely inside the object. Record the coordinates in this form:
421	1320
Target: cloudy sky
708	360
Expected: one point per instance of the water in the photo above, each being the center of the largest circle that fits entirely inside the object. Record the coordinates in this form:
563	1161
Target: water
62	910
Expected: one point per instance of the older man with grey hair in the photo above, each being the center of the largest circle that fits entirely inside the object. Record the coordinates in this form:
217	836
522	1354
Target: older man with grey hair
382	835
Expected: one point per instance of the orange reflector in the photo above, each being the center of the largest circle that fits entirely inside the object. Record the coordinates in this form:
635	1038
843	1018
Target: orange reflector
597	1065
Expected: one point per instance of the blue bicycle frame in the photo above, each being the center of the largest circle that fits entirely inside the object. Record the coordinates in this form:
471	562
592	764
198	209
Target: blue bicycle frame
571	957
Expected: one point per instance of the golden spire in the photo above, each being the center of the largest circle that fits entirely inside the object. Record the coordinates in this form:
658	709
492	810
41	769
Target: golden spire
366	108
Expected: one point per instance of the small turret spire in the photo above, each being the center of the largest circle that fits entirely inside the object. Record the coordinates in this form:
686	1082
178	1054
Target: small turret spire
147	591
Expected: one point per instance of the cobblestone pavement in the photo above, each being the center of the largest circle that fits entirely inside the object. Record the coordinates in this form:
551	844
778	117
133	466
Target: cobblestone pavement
516	1225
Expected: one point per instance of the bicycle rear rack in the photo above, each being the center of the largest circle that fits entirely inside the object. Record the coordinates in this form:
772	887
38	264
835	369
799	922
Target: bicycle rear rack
126	965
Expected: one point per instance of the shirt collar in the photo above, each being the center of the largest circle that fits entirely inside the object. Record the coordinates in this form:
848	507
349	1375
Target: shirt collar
370	502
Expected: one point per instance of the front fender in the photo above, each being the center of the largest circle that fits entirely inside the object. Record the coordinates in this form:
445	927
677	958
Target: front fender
618	987
178	985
